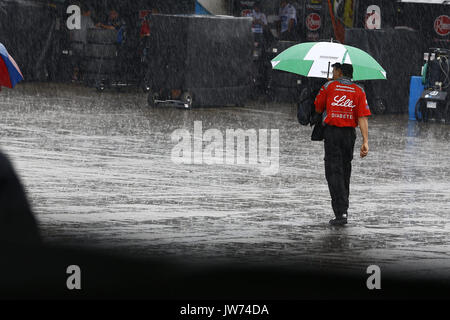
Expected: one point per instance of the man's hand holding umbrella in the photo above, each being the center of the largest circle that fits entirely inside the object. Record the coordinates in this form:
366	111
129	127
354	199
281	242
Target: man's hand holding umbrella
364	127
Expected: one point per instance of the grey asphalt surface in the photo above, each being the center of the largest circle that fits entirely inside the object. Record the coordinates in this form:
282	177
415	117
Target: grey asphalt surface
98	171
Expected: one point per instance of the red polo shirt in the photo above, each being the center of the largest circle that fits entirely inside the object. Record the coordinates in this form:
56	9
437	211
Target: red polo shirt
345	102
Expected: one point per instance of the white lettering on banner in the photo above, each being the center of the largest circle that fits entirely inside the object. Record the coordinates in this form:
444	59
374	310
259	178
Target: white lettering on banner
343	102
341	116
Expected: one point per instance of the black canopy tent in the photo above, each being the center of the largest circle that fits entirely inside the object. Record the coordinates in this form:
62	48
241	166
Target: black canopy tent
130	9
207	58
126	68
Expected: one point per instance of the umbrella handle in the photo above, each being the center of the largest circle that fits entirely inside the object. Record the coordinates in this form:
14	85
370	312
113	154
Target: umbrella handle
328	73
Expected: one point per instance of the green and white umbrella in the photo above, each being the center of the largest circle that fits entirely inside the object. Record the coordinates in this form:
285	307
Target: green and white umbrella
313	59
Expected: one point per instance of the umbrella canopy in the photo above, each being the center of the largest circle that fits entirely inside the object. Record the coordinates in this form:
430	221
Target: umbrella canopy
10	73
313	59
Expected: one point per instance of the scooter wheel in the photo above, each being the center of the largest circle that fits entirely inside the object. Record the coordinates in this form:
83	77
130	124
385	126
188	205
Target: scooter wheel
447	113
418	112
187	99
151	98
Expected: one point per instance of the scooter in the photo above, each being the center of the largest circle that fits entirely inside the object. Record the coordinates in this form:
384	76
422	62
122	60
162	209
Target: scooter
434	102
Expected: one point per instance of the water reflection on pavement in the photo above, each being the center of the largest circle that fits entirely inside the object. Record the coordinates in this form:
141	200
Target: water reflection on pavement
98	170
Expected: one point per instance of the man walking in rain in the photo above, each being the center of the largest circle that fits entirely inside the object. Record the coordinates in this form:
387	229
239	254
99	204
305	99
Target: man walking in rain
344	106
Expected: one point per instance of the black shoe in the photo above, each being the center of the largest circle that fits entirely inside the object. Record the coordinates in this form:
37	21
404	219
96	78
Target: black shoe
339	221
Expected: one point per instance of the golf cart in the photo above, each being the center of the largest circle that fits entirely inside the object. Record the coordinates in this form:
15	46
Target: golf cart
434	102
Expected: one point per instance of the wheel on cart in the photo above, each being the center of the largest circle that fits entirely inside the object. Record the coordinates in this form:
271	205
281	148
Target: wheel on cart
424	111
187	99
146	88
152	97
418	110
100	87
446	115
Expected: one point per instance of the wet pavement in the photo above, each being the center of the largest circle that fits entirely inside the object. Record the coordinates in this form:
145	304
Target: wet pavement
98	171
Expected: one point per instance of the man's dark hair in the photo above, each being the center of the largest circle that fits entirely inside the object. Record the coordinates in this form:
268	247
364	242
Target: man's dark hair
84	8
347	69
18	225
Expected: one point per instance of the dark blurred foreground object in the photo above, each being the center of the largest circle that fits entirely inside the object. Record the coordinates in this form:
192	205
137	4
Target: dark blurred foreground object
17	224
42	274
29	270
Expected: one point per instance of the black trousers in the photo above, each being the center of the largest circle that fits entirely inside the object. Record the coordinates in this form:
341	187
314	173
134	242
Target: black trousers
339	147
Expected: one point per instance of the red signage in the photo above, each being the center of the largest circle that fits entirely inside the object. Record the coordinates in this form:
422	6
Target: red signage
313	22
246	12
442	25
144	13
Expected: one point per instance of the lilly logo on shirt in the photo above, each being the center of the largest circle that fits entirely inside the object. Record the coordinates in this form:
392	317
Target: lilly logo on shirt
343	102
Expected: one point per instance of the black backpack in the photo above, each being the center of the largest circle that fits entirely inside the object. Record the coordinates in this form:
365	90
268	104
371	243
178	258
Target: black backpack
305	108
307	115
